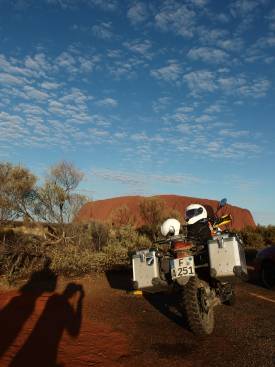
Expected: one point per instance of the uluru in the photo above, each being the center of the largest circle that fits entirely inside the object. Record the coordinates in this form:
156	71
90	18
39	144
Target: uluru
102	210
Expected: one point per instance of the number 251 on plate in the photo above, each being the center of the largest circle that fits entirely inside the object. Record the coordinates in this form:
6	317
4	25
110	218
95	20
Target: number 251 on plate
183	267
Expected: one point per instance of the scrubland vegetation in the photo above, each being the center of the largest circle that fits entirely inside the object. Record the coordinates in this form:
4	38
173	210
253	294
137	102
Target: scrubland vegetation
36	226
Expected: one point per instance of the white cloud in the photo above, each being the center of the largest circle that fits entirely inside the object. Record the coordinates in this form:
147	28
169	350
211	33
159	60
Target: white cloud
121	68
255	89
103	30
232	44
107	102
267	41
211	36
98	132
30	109
185	109
67	61
204	118
231	83
34	93
208	54
199	3
140	47
11	67
37	63
160	104
137	13
271	19
109	5
176	17
117	176
214	108
75	96
234	133
50	85
141	179
87	64
169	73
207	81
6	78
243	7
201	81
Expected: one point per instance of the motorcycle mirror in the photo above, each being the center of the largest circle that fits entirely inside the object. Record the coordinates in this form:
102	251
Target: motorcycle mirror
223	202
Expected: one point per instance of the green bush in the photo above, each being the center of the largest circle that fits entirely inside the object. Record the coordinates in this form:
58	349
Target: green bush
258	237
21	255
71	260
84	249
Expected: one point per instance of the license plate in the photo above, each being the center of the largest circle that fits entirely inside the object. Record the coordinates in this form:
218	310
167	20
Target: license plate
183	267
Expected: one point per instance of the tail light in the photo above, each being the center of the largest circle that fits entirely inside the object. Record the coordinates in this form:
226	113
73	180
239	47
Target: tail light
181	249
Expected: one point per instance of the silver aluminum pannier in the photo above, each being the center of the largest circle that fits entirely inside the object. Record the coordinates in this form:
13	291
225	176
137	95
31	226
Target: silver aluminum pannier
145	268
226	257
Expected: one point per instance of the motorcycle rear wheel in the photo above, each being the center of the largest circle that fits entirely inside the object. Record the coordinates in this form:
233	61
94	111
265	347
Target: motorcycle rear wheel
199	311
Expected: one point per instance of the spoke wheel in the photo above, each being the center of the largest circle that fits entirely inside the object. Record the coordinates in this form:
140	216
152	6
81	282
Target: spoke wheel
199	310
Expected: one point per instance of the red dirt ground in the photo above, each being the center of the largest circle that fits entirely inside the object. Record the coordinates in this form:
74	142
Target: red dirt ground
46	331
102	209
119	329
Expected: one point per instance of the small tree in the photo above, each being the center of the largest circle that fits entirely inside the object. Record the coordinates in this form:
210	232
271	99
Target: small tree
173	213
17	184
122	216
66	176
152	211
56	201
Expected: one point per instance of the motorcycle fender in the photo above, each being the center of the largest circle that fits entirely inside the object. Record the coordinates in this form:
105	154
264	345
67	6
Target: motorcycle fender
182	280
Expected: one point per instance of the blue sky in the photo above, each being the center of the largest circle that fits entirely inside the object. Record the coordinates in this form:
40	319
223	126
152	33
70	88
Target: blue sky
146	97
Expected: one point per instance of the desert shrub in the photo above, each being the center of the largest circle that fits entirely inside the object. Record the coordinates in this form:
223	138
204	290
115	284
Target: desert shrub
72	260
173	213
258	237
152	212
268	233
122	216
128	237
100	234
121	242
93	235
21	255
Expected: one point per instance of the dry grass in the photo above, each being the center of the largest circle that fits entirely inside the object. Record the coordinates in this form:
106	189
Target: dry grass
91	248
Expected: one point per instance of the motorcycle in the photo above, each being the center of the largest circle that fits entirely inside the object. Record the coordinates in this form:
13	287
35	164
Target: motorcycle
202	275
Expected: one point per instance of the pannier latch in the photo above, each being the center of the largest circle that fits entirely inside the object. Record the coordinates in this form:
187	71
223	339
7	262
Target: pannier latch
220	240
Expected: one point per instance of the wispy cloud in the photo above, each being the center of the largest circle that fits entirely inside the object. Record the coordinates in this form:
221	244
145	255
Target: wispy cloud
108	5
176	17
107	102
103	30
271	19
201	81
137	13
142	179
244	7
208	54
160	104
168	73
140	47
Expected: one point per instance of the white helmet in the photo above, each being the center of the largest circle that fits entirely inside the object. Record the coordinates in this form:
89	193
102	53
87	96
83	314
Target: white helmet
170	226
194	213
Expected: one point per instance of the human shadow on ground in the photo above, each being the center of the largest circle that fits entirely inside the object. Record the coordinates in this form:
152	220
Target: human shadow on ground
14	315
120	279
41	347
